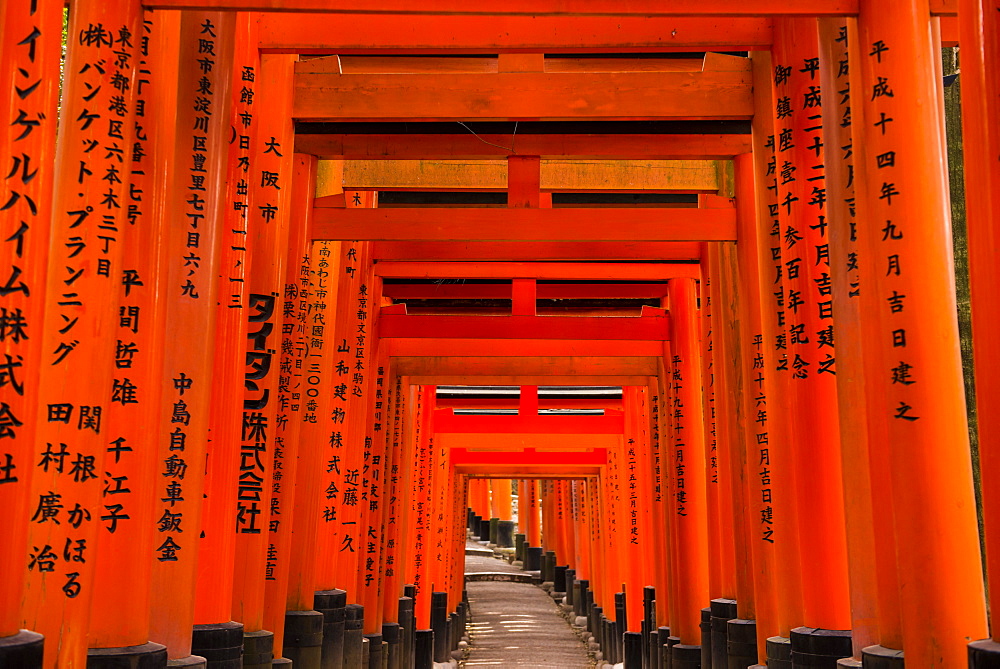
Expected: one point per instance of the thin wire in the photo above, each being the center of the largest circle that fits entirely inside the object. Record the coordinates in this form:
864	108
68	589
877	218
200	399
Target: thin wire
505	148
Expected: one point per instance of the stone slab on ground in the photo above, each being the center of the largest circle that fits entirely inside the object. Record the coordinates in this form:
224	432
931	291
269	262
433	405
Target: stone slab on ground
518	625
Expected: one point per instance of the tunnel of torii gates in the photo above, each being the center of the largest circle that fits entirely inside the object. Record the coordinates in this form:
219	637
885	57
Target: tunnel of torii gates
267	265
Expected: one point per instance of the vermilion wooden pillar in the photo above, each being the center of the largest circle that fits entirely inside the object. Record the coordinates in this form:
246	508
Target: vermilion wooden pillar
89	224
121	607
636	495
317	425
289	449
217	548
715	552
268	241
941	585
30	36
979	37
395	505
193	262
838	49
802	211
501	498
687	468
422	546
532	522
755	495
773	496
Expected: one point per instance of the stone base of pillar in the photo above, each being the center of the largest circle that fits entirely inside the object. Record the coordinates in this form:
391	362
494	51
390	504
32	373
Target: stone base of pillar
880	657
683	656
24	649
742	642
281	663
849	663
813	647
332	603
146	656
354	640
779	653
304	639
189	662
221	644
374	651
258	650
984	654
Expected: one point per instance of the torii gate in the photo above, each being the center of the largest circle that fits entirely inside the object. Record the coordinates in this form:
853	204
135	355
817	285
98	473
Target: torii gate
150	213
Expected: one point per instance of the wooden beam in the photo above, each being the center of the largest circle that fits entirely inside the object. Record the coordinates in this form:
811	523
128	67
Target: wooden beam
472	147
514	366
609	348
546	291
721	91
515	251
513	403
513	328
560	8
489	34
688	176
529	380
445	421
548	225
537	270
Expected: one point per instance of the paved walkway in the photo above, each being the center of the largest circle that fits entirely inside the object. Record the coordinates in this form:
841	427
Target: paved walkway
517	625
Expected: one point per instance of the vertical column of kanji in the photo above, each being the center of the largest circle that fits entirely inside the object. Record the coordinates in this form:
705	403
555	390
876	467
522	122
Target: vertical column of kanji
809	301
77	344
659	505
268	241
30	34
941	587
331	533
835	61
533	526
582	532
318	426
715	538
195	204
289	449
426	480
120	610
754	496
979	35
393	515
669	415
772	475
217	547
373	475
638	492
688	469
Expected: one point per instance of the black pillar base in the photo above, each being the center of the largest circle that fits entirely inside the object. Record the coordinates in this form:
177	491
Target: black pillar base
424	646
532	558
23	650
354	640
559	578
146	656
633	650
505	534
723	610
407	629
819	648
258	649
662	652
189	662
685	657
304	639
221	645
391	635
984	654
374	651
519	542
706	637
742	642
880	657
332	603
779	653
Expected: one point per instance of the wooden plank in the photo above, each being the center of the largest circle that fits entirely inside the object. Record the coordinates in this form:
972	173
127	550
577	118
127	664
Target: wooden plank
537	270
472	147
611	8
431	347
513	328
689	176
545	291
553	225
514	366
507	96
513	251
490	34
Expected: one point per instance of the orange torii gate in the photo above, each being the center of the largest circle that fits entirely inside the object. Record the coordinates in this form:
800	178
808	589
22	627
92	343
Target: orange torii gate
786	474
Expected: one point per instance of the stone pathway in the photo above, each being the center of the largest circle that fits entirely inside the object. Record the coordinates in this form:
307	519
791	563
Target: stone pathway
516	624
